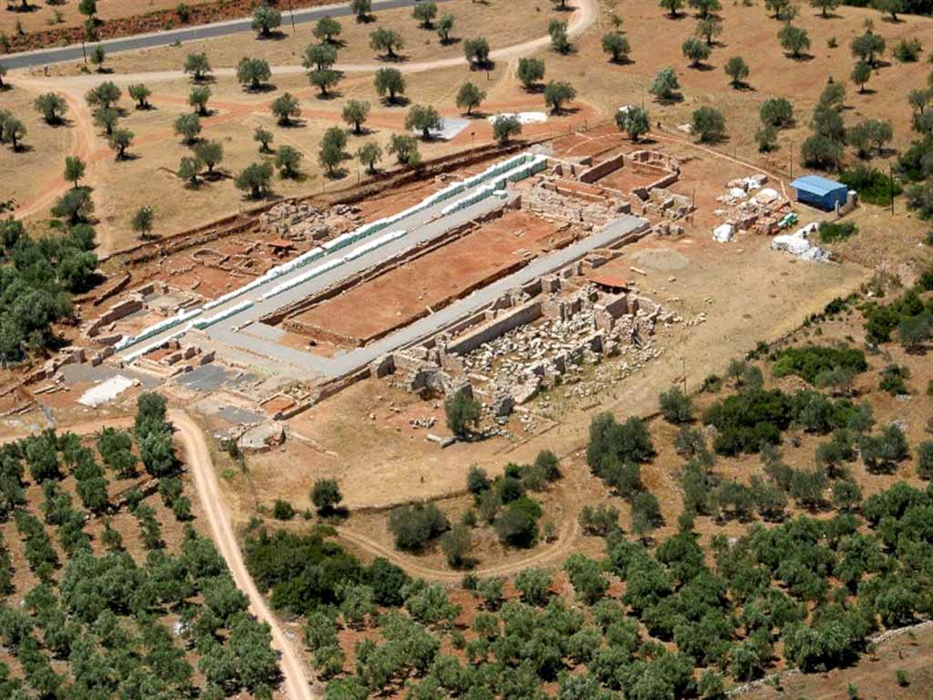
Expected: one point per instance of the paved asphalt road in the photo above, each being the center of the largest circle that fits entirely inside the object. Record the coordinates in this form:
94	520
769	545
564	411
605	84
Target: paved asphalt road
30	59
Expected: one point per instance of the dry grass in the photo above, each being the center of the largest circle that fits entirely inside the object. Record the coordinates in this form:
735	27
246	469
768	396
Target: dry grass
41	158
749	33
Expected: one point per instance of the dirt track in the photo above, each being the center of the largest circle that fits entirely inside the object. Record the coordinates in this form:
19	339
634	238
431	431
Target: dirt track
559	550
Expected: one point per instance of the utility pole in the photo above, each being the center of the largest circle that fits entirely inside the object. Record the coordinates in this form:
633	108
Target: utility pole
891	185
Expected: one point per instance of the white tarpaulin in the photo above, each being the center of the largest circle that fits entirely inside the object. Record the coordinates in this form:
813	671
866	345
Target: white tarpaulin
523	117
799	245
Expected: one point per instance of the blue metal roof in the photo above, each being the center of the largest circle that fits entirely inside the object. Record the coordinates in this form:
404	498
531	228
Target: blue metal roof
816	185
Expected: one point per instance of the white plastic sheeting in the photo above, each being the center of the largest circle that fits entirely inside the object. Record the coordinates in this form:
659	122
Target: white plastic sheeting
206	321
304	277
157	328
799	245
374	244
523	117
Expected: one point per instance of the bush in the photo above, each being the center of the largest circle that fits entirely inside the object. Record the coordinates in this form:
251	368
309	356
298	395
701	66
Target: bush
872	185
810	361
456	544
414	526
600	521
463	413
609	440
747	420
676	407
925	460
892	379
908	50
282	510
832	232
517	524
326	496
777	112
709	124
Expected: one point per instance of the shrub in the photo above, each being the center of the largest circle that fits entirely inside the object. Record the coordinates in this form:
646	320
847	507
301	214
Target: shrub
463	413
517	524
709	124
609	440
810	361
892	379
282	510
777	112
747	420
456	544
925	460
414	526
326	496
676	407
600	521
908	50
872	185
832	232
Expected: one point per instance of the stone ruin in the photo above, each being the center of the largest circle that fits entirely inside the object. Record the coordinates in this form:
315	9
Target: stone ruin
300	221
529	342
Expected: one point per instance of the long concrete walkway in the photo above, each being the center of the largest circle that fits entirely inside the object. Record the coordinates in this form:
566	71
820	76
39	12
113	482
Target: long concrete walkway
75	52
230	332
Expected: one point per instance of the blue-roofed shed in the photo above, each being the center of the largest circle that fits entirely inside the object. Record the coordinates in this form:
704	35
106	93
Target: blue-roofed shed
820	192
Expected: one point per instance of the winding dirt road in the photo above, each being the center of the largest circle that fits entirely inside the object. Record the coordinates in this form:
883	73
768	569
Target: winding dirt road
559	550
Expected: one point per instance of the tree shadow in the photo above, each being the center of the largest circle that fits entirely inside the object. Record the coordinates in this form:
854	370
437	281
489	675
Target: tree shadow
366	19
393	58
6	87
450	41
487	65
674	98
622	61
22	148
800	58
273	35
866	91
702	67
292	123
743	86
260	89
331	94
204	79
337	174
128	157
397	101
565	111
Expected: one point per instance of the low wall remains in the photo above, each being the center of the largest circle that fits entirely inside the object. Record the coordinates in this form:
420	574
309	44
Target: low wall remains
520	316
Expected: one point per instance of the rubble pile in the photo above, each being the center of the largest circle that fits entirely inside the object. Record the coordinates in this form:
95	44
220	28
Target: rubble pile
300	221
666	204
557	350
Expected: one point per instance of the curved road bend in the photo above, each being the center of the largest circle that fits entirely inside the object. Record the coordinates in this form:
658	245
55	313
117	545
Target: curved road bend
295	680
41	57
